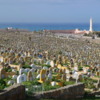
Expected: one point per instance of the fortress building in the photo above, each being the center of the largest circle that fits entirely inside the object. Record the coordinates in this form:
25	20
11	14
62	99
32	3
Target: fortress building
74	31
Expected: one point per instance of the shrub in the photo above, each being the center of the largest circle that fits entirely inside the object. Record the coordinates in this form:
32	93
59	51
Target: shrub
7	69
80	68
45	65
26	66
68	83
2	84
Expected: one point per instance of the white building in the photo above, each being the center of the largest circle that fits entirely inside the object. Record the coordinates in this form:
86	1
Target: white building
91	25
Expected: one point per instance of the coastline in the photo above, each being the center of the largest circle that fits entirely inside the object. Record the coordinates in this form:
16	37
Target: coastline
50	26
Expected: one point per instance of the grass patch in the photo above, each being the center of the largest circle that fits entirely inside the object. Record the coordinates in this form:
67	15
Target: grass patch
26	66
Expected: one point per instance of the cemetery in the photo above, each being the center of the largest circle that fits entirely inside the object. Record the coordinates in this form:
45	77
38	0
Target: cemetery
48	63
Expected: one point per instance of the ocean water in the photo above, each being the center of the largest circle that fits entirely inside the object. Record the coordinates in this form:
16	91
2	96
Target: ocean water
49	26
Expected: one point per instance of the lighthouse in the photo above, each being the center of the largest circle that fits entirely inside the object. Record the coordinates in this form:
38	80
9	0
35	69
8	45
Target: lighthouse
91	27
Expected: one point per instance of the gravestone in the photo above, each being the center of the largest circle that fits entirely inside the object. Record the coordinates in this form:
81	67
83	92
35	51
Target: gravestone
26	70
21	78
2	73
10	82
21	71
76	76
42	76
24	77
68	78
46	68
14	70
50	76
67	71
85	70
52	63
53	83
29	76
63	77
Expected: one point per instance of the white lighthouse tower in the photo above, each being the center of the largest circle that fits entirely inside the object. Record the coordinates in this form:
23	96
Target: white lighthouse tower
91	26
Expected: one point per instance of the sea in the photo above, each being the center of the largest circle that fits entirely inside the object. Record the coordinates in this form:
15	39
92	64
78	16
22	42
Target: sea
50	26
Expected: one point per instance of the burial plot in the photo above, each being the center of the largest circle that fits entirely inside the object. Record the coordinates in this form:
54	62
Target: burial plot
18	67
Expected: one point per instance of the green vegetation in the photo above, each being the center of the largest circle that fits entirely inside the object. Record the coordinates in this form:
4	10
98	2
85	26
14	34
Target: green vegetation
3	83
16	63
80	68
88	82
94	33
86	65
45	65
97	76
90	35
97	33
47	86
69	83
26	66
28	83
7	69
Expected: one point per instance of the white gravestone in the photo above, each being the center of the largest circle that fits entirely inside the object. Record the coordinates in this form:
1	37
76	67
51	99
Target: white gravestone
76	76
38	76
50	76
11	82
26	70
21	78
76	68
68	77
52	64
67	71
33	73
21	71
53	83
46	68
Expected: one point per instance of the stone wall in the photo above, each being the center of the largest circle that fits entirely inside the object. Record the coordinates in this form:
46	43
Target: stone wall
66	92
15	92
94	94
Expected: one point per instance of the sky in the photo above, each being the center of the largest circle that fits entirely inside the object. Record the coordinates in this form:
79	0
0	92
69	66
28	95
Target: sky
49	11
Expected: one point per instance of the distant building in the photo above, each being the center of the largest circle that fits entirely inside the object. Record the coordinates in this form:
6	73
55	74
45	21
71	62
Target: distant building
74	31
77	31
10	29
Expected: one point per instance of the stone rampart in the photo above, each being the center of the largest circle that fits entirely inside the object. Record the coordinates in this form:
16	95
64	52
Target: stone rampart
15	92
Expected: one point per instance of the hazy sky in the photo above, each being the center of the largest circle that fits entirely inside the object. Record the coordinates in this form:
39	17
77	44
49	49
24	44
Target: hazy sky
53	11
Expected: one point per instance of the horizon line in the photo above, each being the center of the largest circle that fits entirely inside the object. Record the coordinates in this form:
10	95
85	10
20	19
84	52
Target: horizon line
48	23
